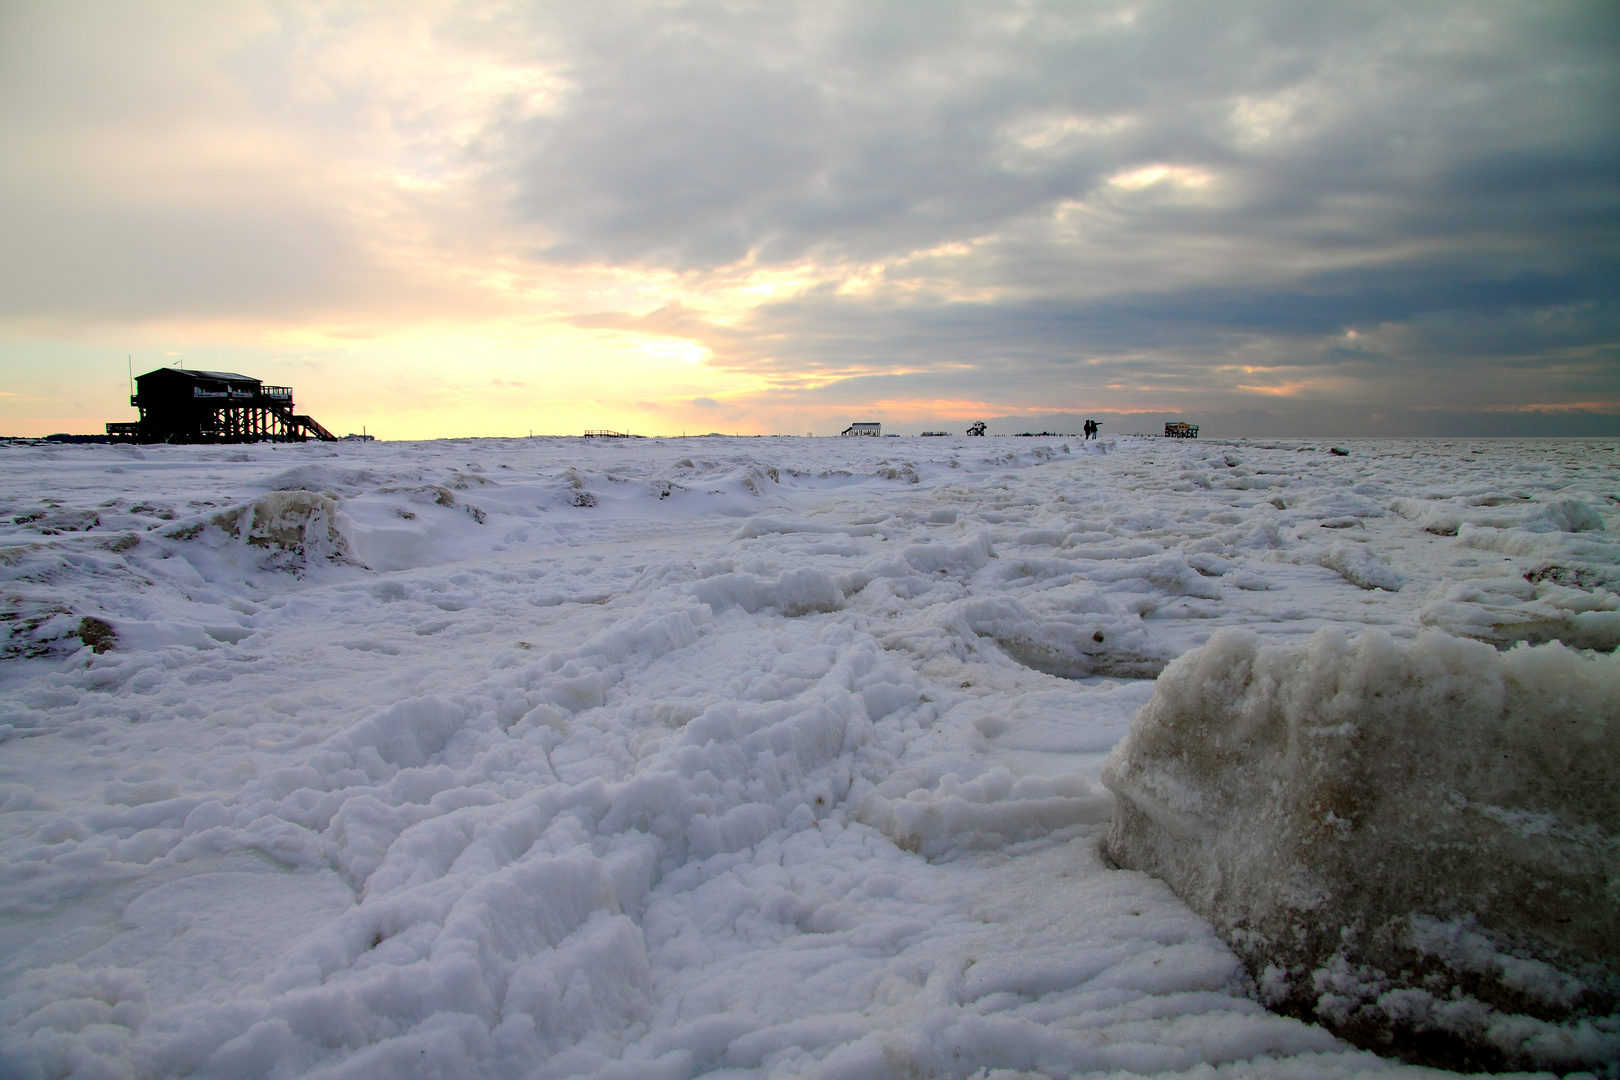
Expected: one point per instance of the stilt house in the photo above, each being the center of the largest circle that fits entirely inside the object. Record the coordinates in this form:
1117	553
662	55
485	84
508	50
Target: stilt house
179	406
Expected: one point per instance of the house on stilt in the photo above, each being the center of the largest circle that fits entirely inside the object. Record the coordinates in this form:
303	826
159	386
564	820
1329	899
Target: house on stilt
180	406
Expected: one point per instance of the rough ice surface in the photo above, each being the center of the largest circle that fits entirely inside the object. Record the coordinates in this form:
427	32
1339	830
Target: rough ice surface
1417	844
699	757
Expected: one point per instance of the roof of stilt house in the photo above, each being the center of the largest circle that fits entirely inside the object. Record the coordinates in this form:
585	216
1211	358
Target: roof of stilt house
191	374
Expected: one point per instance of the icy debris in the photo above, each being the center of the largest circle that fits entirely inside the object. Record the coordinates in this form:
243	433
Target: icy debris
1338	504
1415	844
988	811
53	520
1072	644
1361	568
764	526
1523	542
297	523
1510	523
755	478
796	592
1575	577
1167	574
945	558
1504	611
32	631
1564	515
294	529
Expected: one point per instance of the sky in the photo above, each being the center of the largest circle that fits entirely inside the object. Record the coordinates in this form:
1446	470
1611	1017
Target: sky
464	219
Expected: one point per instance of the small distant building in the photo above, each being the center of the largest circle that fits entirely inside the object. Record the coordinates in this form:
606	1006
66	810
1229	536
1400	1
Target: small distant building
875	430
1181	430
935	434
977	428
180	406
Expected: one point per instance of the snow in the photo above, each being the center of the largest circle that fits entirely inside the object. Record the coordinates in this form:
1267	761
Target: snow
686	757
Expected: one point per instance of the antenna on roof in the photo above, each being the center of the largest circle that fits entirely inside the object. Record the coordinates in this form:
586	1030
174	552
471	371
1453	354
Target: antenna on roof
129	361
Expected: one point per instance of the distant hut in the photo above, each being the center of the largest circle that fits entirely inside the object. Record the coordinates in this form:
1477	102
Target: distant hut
180	406
864	429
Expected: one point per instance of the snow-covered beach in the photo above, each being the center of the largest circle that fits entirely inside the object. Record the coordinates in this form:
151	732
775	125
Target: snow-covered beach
682	757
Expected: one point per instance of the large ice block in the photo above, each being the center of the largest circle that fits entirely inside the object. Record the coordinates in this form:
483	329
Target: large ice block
1416	844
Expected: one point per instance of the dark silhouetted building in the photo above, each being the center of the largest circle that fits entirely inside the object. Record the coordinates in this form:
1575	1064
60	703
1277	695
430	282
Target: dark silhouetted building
179	406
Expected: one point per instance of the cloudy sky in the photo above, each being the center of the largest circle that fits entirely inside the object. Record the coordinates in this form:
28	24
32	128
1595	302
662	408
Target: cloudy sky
489	218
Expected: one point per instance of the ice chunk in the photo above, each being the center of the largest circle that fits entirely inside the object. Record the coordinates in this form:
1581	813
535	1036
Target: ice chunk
962	558
1071	645
294	530
1565	515
796	592
1414	844
1362	568
1336	504
1506	611
987	811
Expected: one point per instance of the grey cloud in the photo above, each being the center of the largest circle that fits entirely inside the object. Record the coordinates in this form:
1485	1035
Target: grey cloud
1443	178
1462	346
1441	302
874	130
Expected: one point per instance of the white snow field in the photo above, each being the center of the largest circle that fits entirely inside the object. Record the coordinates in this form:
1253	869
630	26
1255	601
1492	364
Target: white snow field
674	758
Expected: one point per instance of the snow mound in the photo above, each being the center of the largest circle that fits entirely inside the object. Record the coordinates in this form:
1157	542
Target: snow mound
1416	845
295	528
317	477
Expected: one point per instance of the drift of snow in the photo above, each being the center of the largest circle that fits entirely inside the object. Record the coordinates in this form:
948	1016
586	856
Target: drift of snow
1415	844
672	758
